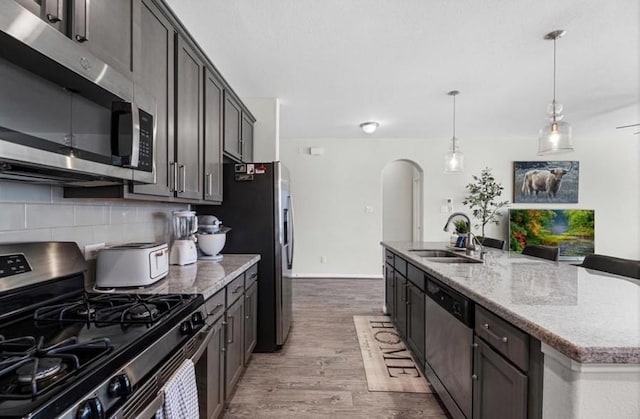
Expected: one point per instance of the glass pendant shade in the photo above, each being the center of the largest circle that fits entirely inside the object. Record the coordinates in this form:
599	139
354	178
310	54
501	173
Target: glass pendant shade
454	159
555	137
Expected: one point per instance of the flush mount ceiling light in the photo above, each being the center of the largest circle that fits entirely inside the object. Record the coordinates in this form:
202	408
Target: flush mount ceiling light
454	159
369	127
555	136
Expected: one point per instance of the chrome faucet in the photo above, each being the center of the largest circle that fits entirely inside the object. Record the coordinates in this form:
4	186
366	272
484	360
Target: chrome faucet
470	247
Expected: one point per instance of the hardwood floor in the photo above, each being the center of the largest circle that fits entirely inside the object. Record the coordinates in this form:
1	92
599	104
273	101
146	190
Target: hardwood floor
319	372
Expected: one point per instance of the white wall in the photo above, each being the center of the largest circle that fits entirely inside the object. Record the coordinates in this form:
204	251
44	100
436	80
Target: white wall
397	201
333	189
40	213
266	130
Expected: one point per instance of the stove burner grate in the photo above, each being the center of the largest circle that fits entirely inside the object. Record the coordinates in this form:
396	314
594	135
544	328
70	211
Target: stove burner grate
141	311
28	370
106	309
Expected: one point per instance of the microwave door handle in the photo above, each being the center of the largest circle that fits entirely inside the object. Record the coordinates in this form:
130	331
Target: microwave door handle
135	135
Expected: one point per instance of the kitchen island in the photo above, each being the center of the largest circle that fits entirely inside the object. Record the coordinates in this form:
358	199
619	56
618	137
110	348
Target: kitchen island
587	323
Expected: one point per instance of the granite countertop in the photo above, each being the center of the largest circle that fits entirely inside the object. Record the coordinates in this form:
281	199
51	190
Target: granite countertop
204	277
589	316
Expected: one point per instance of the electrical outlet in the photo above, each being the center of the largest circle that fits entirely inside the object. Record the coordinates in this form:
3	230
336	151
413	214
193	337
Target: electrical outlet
91	250
323	259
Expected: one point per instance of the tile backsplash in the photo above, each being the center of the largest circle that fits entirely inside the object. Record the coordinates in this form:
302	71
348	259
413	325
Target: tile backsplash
39	213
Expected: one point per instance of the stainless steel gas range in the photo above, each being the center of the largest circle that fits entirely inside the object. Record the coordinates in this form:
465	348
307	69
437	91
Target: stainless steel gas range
67	353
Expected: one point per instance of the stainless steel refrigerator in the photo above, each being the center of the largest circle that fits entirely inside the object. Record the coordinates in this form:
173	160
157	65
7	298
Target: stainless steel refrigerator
258	207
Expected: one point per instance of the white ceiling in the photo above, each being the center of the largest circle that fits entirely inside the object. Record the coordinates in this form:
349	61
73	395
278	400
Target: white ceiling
336	63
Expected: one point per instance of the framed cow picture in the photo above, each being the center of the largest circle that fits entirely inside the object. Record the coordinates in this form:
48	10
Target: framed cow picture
545	182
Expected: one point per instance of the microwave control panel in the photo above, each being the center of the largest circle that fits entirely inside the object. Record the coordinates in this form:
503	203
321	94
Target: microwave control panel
145	159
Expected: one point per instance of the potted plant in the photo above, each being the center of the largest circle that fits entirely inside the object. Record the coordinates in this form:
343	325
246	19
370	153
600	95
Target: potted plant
482	199
462	227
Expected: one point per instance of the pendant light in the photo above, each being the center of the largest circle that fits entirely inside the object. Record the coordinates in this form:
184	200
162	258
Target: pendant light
454	159
555	136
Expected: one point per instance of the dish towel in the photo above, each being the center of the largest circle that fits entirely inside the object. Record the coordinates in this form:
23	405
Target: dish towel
180	394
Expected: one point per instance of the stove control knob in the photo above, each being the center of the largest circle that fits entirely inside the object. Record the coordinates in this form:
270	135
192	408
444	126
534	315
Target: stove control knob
119	386
91	409
197	318
186	328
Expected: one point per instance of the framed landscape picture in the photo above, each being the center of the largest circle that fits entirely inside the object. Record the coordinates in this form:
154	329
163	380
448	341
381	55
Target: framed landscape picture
571	230
546	182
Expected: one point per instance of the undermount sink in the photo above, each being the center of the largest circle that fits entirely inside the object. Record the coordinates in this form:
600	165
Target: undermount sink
434	253
455	259
443	256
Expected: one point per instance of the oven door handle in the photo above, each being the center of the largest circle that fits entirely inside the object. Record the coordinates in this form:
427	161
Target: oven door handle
153	407
208	331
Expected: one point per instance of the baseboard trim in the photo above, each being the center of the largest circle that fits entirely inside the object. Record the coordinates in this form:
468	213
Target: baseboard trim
337	276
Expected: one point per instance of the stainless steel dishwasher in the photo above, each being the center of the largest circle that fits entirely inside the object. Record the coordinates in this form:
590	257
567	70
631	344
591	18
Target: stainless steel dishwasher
448	347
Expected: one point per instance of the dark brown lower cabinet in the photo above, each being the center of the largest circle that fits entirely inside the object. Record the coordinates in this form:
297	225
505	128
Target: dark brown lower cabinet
234	360
415	321
210	374
250	321
499	388
400	318
390	289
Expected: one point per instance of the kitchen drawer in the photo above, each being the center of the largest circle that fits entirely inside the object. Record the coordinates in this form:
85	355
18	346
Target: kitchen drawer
388	257
215	305
235	289
507	339
400	265
416	276
250	276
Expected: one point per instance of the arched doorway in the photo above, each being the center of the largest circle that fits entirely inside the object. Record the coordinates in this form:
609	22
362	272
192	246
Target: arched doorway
402	185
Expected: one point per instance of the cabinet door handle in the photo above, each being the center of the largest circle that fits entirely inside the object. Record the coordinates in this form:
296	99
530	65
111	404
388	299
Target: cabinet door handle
207	181
474	345
236	289
182	180
53	17
474	377
173	176
83	22
231	334
502	339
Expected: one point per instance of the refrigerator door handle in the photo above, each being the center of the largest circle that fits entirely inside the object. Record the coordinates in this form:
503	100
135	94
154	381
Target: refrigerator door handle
285	233
292	241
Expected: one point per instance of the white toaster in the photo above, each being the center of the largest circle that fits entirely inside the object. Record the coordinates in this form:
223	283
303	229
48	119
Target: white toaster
132	265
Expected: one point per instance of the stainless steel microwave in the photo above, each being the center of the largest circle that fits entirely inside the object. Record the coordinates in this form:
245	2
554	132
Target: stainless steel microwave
96	152
66	117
